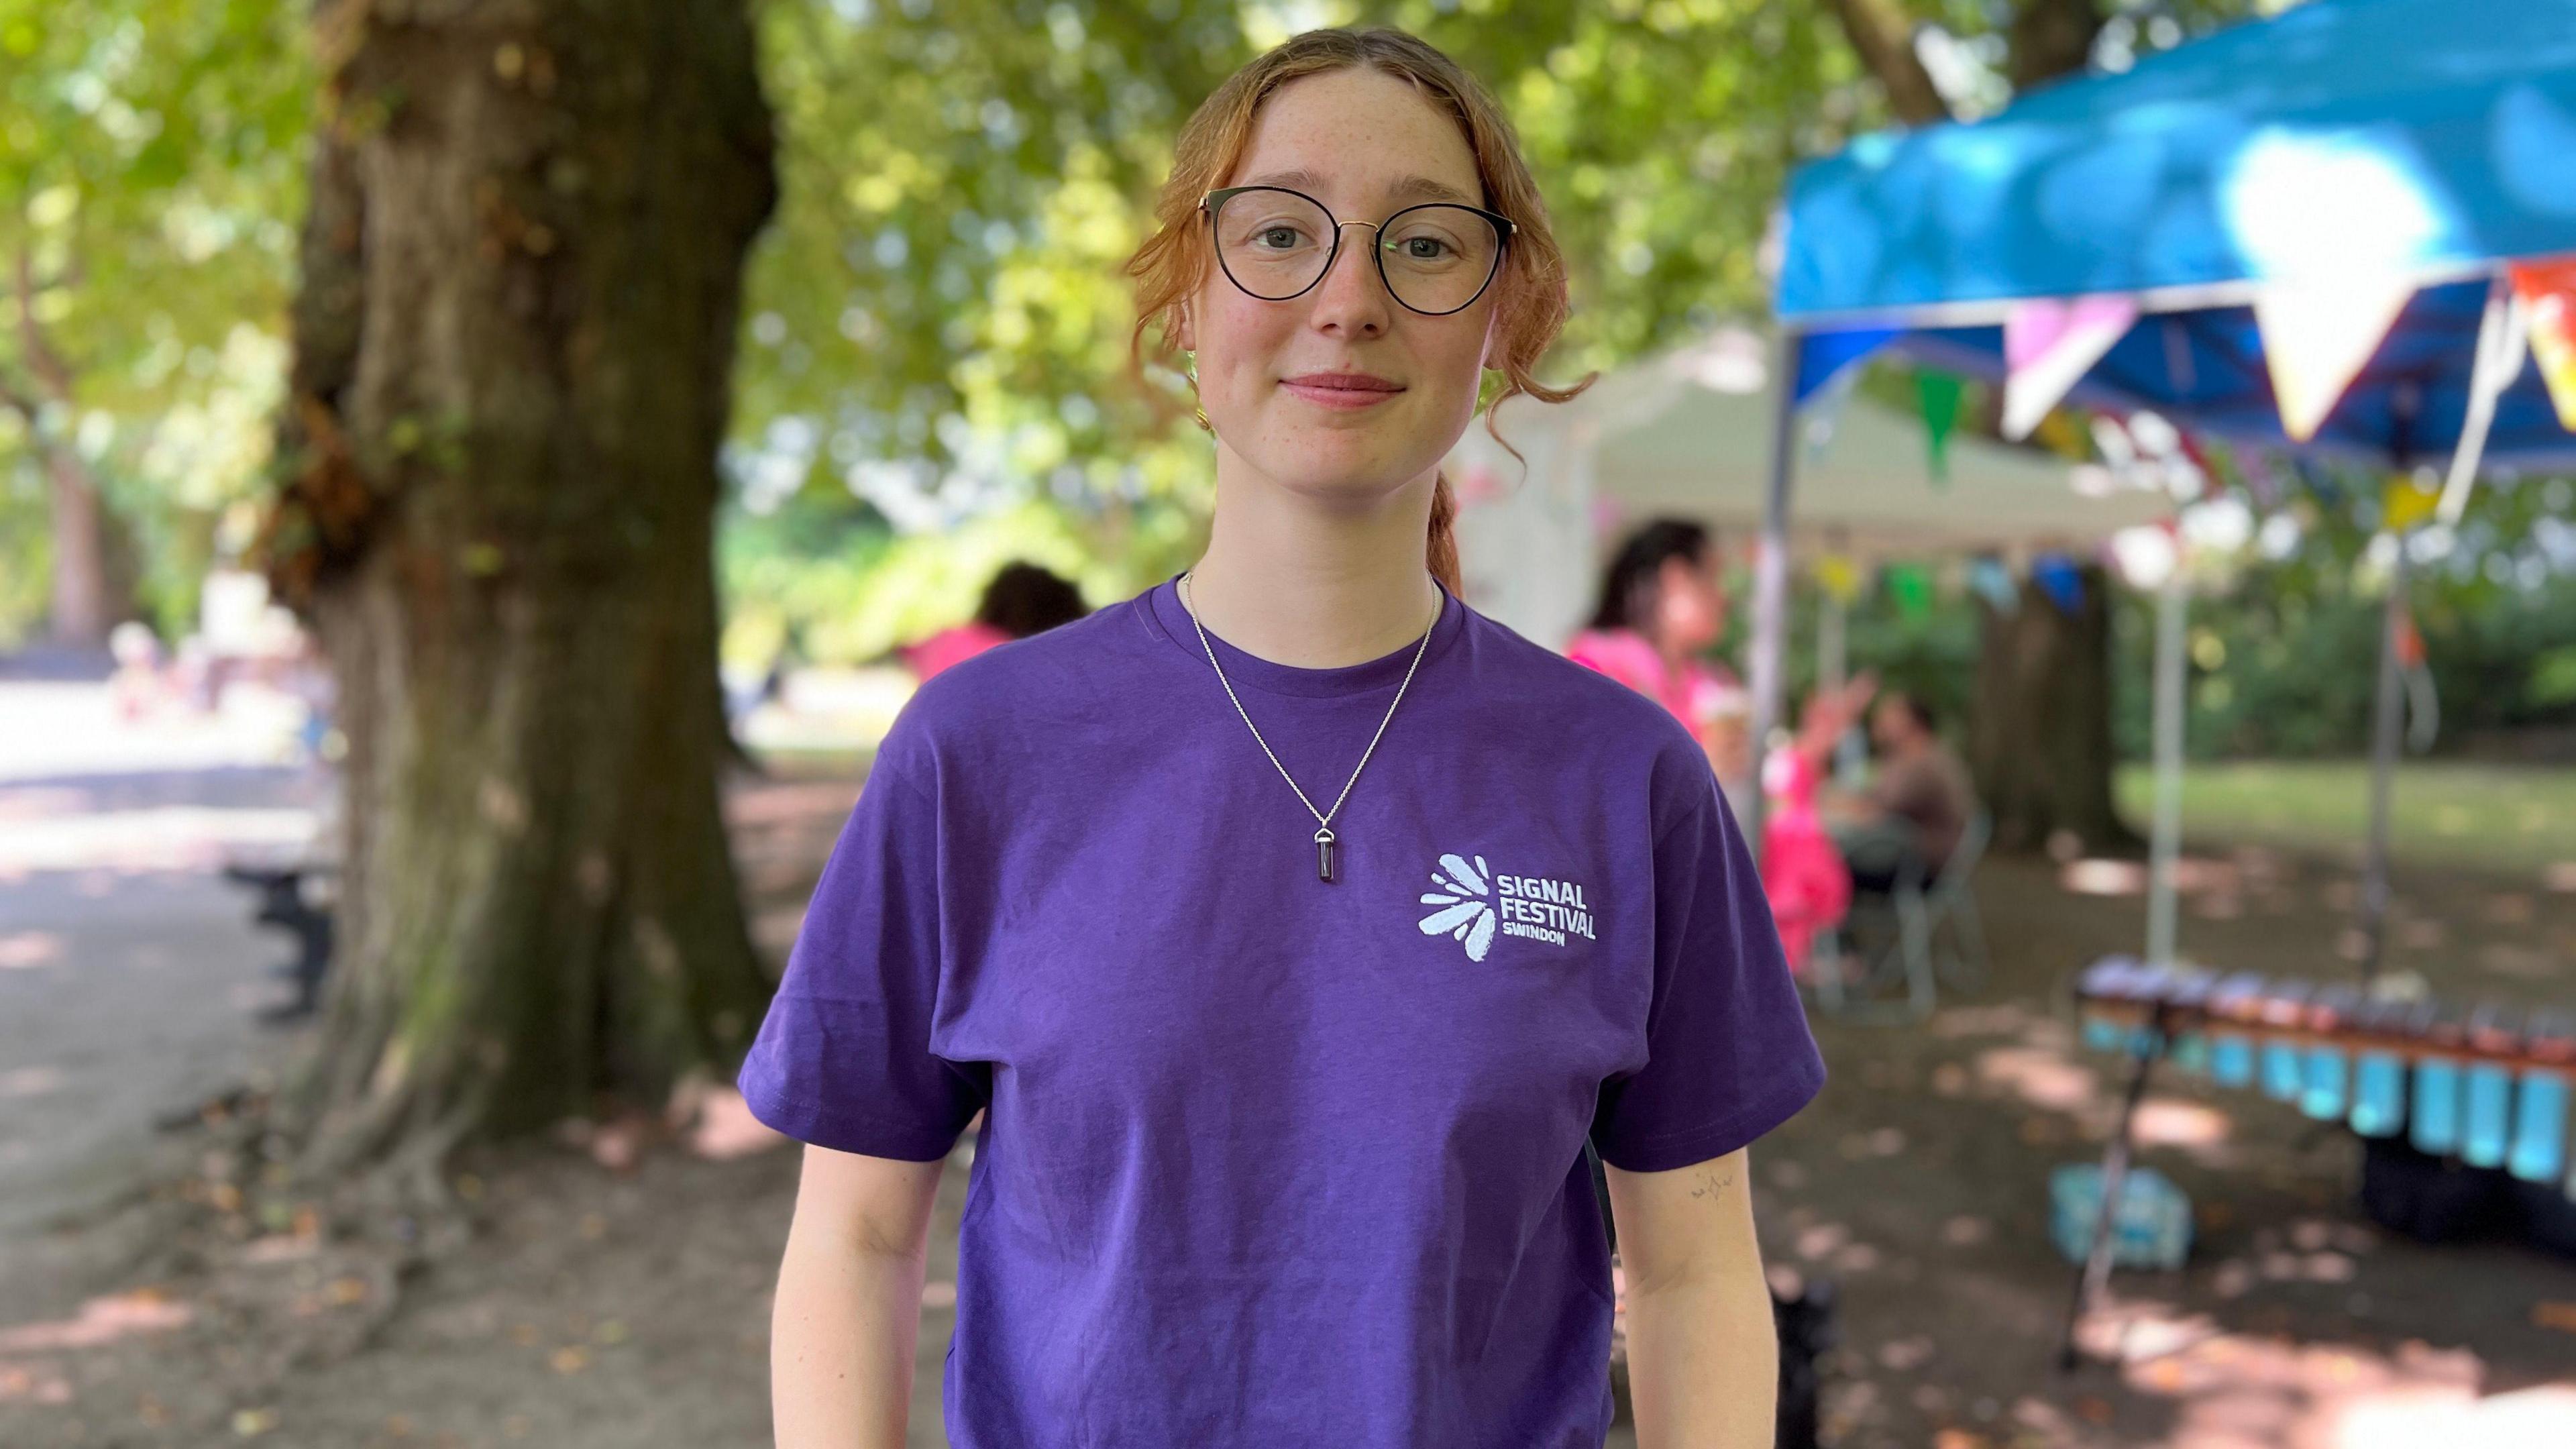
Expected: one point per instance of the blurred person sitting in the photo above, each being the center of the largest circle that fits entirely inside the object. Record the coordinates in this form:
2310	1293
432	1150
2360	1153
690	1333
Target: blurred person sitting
1917	805
1022	599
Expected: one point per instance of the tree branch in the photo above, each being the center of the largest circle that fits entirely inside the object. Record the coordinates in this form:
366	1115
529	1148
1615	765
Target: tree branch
1883	34
2051	38
52	373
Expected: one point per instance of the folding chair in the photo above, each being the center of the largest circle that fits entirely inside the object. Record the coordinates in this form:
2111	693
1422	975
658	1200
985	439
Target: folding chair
1913	911
1950	897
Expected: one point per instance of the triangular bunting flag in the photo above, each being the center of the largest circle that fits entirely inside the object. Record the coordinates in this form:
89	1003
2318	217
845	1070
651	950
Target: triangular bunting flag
1910	585
2317	333
2405	502
2548	293
2048	345
1938	394
1839	575
1993	582
2061	579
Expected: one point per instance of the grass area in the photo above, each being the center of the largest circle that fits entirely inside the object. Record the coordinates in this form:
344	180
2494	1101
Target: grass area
2519	820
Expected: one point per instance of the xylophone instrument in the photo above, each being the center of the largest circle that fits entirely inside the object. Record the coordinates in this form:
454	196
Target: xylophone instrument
2486	1084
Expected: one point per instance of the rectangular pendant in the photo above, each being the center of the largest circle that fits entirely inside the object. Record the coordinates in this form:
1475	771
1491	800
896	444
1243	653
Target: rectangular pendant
1324	858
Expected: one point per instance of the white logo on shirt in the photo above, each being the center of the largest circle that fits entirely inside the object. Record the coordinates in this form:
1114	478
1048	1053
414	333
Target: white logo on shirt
1474	904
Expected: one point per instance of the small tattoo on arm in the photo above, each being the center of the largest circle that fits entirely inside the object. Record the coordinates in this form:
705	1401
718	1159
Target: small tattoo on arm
1711	1181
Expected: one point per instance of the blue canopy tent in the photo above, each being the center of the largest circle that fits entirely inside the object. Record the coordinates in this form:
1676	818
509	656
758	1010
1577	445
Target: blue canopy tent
2419	144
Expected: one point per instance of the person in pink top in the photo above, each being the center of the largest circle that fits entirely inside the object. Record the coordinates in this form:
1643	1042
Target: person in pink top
1661	606
1022	599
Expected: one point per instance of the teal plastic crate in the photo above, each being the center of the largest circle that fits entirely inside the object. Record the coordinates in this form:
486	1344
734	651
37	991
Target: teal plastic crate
2152	1228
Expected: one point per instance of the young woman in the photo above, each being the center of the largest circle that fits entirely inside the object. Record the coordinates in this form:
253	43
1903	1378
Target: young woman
1295	926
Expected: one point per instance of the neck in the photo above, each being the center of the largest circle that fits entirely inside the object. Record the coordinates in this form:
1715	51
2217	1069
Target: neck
1315	584
1674	655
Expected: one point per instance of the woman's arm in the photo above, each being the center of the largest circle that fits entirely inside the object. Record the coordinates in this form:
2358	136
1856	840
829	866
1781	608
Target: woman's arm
1703	1358
848	1314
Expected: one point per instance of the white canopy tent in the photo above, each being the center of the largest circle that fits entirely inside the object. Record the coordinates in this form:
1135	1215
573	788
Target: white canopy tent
1688	434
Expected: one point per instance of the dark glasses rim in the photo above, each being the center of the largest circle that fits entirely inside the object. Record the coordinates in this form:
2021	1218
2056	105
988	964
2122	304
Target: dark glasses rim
1504	228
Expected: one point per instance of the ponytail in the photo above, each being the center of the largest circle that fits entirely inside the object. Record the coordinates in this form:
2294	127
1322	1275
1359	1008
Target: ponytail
1443	550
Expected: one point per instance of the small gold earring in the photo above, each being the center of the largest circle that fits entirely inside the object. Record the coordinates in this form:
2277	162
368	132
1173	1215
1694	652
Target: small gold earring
1198	410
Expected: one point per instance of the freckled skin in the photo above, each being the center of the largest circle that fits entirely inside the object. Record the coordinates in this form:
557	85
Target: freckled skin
1360	132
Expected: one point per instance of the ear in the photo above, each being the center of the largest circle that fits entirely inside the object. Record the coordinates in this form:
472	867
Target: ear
1182	332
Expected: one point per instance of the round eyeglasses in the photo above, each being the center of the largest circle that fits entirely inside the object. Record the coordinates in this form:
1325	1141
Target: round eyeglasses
1275	244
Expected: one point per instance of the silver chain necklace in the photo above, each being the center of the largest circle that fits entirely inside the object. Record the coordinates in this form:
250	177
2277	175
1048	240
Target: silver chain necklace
1324	837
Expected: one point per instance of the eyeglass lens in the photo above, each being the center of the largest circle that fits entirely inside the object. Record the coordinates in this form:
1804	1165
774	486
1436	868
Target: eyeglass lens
1276	244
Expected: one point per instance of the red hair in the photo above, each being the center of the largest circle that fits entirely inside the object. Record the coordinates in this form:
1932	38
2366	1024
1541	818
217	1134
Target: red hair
1530	292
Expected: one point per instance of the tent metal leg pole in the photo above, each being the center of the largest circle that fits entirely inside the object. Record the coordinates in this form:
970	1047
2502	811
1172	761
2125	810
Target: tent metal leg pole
1771	582
2095	1273
2173	606
1833	661
2383	769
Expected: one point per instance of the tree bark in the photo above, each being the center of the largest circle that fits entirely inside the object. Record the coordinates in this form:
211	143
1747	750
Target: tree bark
1882	34
86	599
2040	738
78	615
2039	742
523	267
2051	38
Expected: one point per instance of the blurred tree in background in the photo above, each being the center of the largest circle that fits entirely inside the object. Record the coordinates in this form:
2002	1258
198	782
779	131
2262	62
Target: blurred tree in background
149	151
514	338
2284	652
2038	735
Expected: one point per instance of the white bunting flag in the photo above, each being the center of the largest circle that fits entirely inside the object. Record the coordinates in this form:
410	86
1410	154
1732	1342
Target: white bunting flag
2317	334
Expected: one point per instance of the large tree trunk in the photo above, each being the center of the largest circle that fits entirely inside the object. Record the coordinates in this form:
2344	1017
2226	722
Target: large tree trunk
2039	741
523	271
81	611
1882	34
86	600
2051	38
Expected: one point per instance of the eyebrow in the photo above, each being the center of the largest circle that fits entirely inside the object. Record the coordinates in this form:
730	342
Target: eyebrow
1409	188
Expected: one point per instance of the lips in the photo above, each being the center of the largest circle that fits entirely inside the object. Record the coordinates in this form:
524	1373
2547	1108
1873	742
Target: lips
1342	389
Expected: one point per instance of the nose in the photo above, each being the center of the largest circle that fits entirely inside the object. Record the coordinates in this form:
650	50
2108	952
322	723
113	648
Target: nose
1352	298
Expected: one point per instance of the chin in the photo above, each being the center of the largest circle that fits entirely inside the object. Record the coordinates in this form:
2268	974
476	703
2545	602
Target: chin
1339	466
1352	456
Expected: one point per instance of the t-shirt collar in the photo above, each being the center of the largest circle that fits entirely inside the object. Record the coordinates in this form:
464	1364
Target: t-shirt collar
1164	614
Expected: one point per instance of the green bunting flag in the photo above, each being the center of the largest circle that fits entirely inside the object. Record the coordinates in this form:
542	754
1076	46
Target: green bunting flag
1938	392
1910	586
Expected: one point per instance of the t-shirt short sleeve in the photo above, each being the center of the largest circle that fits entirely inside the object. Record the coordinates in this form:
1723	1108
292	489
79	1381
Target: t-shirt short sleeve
1728	1052
843	1059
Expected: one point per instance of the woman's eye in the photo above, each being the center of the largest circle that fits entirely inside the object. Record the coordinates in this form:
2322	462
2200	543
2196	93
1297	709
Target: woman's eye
1423	248
1277	236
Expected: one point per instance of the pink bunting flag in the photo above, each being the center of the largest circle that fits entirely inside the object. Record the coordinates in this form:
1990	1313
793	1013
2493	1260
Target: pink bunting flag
2548	293
2048	345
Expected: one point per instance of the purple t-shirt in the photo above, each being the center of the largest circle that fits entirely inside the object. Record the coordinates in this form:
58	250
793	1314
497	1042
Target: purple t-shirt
1271	1160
